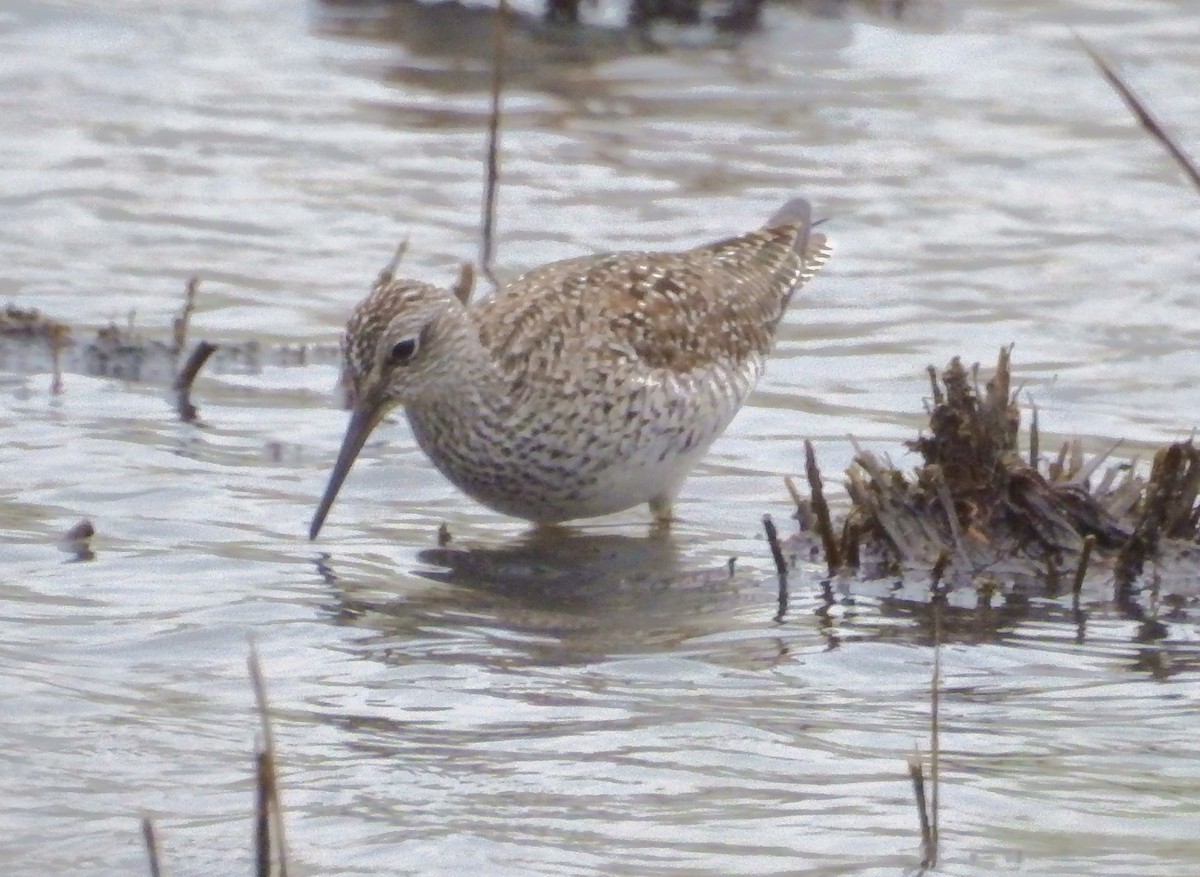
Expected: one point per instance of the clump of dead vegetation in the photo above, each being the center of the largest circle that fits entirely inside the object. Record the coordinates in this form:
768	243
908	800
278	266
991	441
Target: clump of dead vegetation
977	507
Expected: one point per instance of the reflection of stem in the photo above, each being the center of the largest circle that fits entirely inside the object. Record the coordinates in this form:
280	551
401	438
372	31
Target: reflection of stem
916	773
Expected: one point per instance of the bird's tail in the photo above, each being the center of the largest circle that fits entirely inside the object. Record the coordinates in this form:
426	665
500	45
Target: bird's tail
813	247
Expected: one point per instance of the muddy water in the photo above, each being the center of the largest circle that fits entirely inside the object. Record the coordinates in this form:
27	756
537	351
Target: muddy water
603	704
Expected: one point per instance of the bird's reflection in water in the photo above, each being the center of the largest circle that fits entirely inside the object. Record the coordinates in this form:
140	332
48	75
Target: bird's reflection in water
556	596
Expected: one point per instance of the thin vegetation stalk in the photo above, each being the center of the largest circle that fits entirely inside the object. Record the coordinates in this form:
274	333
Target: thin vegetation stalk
1085	556
821	509
151	840
781	565
492	179
268	778
1142	113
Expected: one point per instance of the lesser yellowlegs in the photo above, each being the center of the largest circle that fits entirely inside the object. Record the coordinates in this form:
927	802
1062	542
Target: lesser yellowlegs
583	387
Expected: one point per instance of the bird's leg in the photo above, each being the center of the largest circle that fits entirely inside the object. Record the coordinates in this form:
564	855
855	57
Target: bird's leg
661	508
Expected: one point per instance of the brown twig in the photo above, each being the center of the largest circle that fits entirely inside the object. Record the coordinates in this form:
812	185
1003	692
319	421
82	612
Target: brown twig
179	326
499	48
388	272
935	388
1085	555
939	569
781	565
821	509
183	382
151	840
268	778
1142	113
466	283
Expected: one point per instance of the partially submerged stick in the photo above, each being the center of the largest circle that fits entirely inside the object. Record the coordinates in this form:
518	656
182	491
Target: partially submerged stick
196	359
821	509
183	381
781	566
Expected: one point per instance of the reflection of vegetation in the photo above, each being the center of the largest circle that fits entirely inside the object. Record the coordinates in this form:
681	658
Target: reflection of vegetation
566	19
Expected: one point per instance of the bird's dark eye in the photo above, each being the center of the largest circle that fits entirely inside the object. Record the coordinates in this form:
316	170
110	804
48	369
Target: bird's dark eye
402	351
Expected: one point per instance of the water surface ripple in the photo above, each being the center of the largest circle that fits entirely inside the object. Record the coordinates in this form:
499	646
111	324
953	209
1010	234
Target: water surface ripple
603	703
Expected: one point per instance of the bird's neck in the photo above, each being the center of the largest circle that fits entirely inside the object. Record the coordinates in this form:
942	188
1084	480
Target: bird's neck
466	415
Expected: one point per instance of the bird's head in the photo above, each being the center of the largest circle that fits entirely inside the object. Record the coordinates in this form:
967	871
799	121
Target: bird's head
393	349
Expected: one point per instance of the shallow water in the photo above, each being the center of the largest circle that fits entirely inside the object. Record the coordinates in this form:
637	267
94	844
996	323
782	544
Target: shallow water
605	704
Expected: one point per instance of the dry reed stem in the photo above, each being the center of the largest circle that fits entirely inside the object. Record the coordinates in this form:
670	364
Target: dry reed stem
267	771
794	493
466	283
935	388
821	509
781	565
151	840
388	272
179	326
1142	113
1085	555
487	236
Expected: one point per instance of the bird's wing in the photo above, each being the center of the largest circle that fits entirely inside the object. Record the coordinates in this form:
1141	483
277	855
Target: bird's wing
713	306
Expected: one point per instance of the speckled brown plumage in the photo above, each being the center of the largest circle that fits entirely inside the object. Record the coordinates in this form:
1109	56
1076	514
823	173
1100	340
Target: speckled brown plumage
584	386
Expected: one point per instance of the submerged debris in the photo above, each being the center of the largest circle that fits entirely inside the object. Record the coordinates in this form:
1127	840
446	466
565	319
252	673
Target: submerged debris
981	513
32	343
77	541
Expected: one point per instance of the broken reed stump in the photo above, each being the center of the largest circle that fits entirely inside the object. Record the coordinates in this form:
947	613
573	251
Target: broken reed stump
976	508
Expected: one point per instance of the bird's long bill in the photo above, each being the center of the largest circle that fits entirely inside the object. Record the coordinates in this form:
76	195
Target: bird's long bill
362	421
